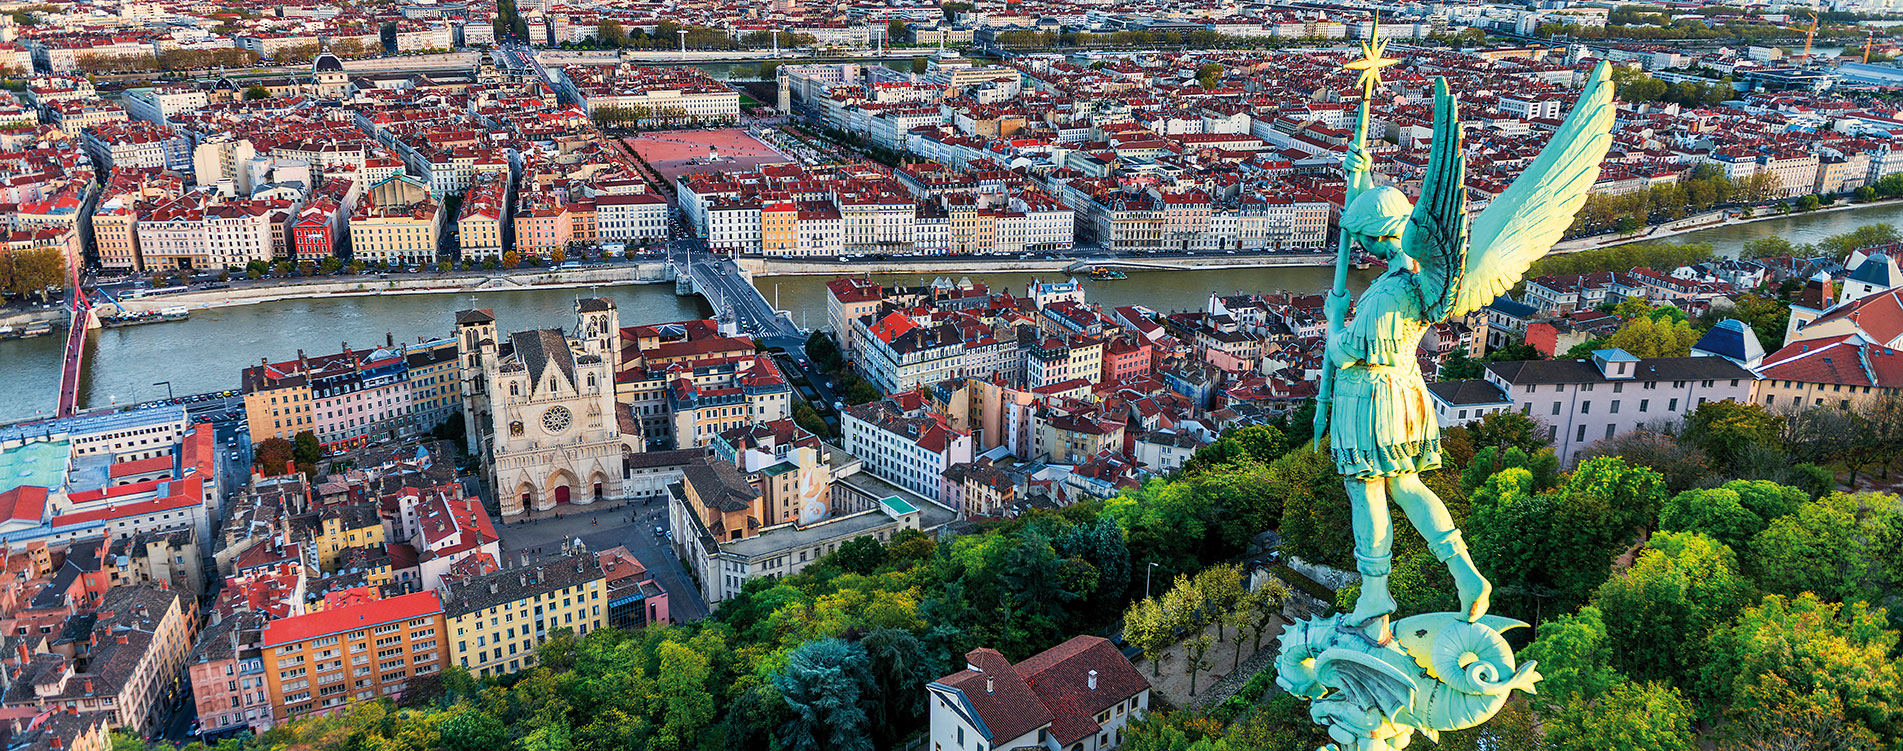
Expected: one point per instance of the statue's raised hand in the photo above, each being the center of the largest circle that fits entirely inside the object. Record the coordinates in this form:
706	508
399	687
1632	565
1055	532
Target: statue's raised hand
1355	161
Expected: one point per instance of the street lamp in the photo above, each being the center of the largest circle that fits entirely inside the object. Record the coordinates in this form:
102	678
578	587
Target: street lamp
1146	579
168	389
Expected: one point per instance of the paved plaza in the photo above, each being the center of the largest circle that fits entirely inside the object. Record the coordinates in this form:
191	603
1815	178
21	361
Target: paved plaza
680	152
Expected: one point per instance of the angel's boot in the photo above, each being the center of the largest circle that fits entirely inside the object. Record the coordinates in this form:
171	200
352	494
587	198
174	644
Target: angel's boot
1374	605
1476	593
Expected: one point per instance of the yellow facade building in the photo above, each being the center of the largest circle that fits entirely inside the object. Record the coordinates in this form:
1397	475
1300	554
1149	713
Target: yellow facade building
496	622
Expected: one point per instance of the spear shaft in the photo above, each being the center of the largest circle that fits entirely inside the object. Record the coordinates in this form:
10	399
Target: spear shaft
1354	185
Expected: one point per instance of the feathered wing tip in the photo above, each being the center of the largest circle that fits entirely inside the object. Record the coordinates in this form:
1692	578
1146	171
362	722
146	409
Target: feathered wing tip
1533	213
1437	230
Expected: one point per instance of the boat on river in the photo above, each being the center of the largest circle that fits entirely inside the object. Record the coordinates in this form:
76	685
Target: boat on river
175	313
1105	273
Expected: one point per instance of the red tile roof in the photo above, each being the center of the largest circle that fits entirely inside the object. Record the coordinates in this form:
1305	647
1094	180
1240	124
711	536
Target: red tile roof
300	628
24	503
1052	687
1849	360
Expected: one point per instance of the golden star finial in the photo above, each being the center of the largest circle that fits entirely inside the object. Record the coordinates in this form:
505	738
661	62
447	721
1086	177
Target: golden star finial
1371	61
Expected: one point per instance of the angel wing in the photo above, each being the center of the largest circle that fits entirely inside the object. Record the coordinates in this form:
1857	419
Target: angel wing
1436	233
1524	222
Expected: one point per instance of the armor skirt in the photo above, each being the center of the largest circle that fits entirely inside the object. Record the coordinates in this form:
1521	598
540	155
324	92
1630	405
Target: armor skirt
1381	424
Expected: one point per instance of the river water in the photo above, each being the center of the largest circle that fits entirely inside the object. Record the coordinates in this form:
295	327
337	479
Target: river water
207	352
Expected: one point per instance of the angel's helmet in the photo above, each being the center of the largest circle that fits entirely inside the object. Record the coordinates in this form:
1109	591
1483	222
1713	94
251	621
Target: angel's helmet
1376	218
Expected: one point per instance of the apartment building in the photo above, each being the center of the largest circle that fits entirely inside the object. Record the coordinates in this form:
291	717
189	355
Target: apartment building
631	218
496	621
716	515
350	397
910	452
227	675
1081	695
1844	371
400	221
320	663
480	220
123	663
1586	401
848	300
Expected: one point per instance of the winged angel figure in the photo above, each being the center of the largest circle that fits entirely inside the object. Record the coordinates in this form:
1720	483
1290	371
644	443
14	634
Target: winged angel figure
1441	265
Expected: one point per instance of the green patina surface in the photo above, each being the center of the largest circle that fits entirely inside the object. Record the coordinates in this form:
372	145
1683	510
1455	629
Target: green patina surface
41	464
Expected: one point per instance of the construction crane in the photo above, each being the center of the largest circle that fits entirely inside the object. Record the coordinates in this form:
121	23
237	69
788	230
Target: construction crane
115	303
1868	42
1809	34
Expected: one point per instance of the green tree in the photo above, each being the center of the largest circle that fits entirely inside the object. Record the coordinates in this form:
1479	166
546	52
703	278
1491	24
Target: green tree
1843	546
860	555
1258	443
1508	430
33	271
1209	74
1649	337
1262	608
1219	588
1840	246
825	684
1683	466
126	740
256	92
681	685
1841	654
1651	716
1769	246
1632	493
1544	551
920	65
1681	587
1543	466
1459	367
1144	627
611	33
1575	658
1314	508
900	665
470	729
894	31
1717	513
1727	429
1196	657
511	258
306	449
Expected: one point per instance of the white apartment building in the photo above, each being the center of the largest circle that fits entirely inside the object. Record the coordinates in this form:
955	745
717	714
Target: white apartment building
1586	401
639	216
733	225
910	452
159	103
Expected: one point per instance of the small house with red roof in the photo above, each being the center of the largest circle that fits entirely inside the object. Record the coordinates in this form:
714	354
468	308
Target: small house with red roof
1077	696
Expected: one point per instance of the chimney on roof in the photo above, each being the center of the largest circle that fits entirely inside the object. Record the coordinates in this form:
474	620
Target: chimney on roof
1092	680
989	687
89	684
25	655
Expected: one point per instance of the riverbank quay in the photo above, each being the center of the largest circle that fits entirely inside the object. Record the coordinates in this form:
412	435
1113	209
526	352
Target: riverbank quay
369	284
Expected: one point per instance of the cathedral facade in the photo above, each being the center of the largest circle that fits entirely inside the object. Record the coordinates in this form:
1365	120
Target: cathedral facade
541	409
